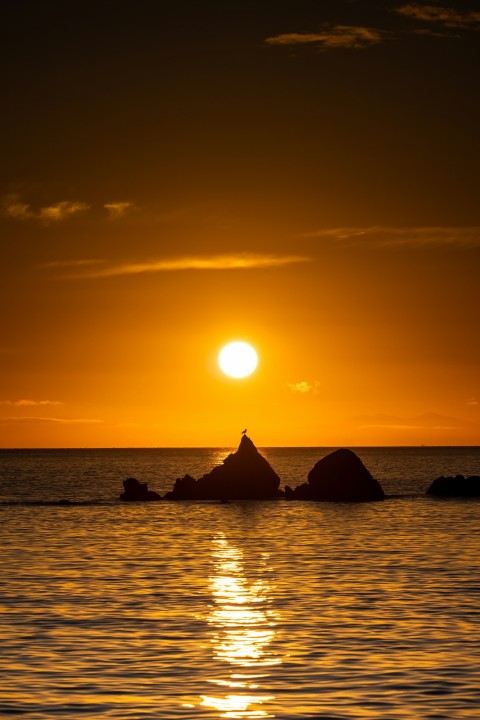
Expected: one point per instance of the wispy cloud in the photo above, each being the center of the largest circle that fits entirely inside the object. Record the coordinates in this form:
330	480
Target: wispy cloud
446	16
26	420
72	263
117	209
12	206
241	261
331	37
472	401
29	403
61	210
402	236
304	387
357	37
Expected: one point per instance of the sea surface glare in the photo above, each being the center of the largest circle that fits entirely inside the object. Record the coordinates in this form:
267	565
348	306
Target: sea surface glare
240	610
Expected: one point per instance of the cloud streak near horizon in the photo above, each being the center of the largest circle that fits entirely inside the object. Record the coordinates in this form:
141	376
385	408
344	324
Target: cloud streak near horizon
27	420
30	403
242	261
428	421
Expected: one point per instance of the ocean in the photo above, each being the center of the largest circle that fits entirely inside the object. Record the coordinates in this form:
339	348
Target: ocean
269	609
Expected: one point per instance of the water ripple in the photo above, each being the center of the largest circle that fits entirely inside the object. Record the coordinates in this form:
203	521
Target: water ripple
272	610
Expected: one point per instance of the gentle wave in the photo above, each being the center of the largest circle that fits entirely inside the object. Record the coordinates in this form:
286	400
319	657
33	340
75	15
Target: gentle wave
274	609
113	502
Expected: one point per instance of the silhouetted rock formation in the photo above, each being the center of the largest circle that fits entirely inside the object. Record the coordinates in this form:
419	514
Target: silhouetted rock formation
339	477
137	492
458	486
244	475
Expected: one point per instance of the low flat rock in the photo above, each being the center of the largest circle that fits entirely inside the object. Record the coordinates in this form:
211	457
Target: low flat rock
338	477
244	475
458	486
135	491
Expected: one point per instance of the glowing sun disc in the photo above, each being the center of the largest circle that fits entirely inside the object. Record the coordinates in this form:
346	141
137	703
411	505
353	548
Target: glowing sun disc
237	359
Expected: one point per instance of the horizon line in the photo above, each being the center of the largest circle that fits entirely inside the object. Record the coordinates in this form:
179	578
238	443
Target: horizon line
226	447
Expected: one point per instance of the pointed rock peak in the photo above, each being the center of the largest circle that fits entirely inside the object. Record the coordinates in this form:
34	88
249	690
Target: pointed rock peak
244	475
246	445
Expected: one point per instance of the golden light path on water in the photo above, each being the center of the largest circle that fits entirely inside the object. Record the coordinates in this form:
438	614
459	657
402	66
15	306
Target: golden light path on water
243	628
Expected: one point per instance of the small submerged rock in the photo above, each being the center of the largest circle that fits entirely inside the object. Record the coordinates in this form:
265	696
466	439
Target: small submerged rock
458	486
338	477
136	491
244	475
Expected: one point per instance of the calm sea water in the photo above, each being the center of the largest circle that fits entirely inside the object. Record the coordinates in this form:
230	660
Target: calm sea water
240	610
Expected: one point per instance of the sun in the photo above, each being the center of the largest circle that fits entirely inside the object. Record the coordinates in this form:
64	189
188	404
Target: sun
237	359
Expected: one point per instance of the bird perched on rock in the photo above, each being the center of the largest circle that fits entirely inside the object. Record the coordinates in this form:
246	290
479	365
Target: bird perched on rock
244	431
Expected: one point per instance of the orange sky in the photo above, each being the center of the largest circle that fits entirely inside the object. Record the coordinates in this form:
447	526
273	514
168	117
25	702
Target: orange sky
303	178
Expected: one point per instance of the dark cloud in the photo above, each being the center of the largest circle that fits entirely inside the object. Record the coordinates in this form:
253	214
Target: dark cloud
446	16
13	207
331	37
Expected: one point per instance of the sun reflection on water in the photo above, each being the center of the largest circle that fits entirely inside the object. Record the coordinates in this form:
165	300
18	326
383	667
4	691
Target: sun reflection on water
243	629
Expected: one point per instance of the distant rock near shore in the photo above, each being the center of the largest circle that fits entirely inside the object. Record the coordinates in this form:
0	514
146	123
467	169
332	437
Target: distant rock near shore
136	491
244	475
339	477
458	486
